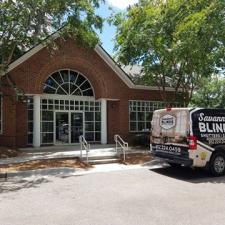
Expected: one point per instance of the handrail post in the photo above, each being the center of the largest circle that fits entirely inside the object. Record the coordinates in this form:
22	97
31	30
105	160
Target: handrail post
84	146
81	146
116	144
123	145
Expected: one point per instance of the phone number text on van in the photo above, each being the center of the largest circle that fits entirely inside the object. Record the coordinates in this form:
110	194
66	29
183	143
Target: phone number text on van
167	149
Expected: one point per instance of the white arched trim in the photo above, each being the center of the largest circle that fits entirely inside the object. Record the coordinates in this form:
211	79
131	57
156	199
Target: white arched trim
68	82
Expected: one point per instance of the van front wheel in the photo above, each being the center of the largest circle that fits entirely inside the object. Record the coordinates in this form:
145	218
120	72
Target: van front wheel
217	164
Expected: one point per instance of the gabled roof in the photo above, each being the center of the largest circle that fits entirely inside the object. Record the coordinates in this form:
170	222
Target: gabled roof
101	52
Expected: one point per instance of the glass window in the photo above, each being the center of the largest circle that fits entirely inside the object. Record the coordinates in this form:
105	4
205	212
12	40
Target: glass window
65	82
92	118
30	119
30	127
30	138
97	136
141	114
133	126
89	126
133	116
47	138
89	116
47	115
98	126
97	116
89	136
47	126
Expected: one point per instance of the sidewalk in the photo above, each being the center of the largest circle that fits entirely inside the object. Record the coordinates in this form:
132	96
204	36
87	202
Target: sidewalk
52	153
65	152
65	172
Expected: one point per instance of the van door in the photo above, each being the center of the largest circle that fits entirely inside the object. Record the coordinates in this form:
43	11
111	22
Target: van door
208	126
170	126
170	130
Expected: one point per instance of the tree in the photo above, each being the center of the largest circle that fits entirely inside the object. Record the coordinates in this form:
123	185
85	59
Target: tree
177	42
210	93
24	23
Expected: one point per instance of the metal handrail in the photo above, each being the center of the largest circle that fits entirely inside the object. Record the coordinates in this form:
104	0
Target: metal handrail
124	145
84	146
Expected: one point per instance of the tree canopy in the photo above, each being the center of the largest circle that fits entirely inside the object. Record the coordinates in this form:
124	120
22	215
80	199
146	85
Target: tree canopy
25	23
210	93
177	42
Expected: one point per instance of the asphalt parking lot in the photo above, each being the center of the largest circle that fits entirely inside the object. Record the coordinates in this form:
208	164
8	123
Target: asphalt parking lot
129	197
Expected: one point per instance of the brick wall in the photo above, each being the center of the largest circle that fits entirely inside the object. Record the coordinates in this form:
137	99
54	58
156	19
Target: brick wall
31	74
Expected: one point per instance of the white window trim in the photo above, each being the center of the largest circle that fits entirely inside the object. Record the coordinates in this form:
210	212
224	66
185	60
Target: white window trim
79	73
154	107
79	99
137	121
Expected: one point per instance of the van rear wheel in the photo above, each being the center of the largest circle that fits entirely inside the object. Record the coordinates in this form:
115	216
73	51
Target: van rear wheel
217	164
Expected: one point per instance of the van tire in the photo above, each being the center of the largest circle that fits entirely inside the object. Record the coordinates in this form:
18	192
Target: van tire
217	164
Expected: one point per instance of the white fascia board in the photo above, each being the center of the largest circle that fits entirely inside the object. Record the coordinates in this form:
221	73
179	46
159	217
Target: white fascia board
113	65
123	75
153	88
24	57
30	53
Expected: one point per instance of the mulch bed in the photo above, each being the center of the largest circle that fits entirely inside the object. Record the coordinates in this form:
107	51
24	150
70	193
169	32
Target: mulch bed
43	164
137	158
9	152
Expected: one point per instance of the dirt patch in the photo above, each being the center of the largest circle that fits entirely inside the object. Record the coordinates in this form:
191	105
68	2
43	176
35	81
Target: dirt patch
9	152
137	158
43	164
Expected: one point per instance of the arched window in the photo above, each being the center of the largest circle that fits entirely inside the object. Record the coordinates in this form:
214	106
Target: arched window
68	82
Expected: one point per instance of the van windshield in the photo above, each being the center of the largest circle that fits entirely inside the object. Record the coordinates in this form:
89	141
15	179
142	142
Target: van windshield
173	124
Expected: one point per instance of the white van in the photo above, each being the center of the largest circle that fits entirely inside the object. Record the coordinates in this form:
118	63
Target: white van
191	137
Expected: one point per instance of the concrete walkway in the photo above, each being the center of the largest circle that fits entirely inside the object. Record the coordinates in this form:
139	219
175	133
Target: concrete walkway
63	152
58	152
66	152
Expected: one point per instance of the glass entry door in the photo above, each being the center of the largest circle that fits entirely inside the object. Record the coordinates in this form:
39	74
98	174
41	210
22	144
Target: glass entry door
68	127
62	128
76	126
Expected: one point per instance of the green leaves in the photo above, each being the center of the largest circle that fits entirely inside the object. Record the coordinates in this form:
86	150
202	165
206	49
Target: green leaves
210	93
176	42
25	23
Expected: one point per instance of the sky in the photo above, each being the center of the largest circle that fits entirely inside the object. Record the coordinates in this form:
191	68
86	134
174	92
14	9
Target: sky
108	33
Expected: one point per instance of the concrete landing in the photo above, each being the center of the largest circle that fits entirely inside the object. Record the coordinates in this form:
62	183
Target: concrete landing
98	154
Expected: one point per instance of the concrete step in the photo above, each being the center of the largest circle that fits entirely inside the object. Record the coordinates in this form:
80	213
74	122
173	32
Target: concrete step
103	161
101	156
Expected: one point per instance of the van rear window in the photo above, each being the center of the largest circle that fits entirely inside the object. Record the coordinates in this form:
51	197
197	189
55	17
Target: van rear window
174	123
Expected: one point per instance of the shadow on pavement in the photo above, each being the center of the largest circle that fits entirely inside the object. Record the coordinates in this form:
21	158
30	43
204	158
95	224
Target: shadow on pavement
192	175
16	185
189	175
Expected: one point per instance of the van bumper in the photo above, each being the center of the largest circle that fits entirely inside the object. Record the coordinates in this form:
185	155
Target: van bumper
174	159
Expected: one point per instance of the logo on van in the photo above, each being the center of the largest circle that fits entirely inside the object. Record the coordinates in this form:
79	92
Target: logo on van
167	122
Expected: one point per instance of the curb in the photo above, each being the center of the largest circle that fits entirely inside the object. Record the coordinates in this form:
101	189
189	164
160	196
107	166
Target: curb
62	171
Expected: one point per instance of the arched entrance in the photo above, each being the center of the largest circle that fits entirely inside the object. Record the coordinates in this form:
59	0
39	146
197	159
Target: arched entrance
67	109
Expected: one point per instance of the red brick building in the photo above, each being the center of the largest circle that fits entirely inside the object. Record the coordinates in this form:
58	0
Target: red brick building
72	92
